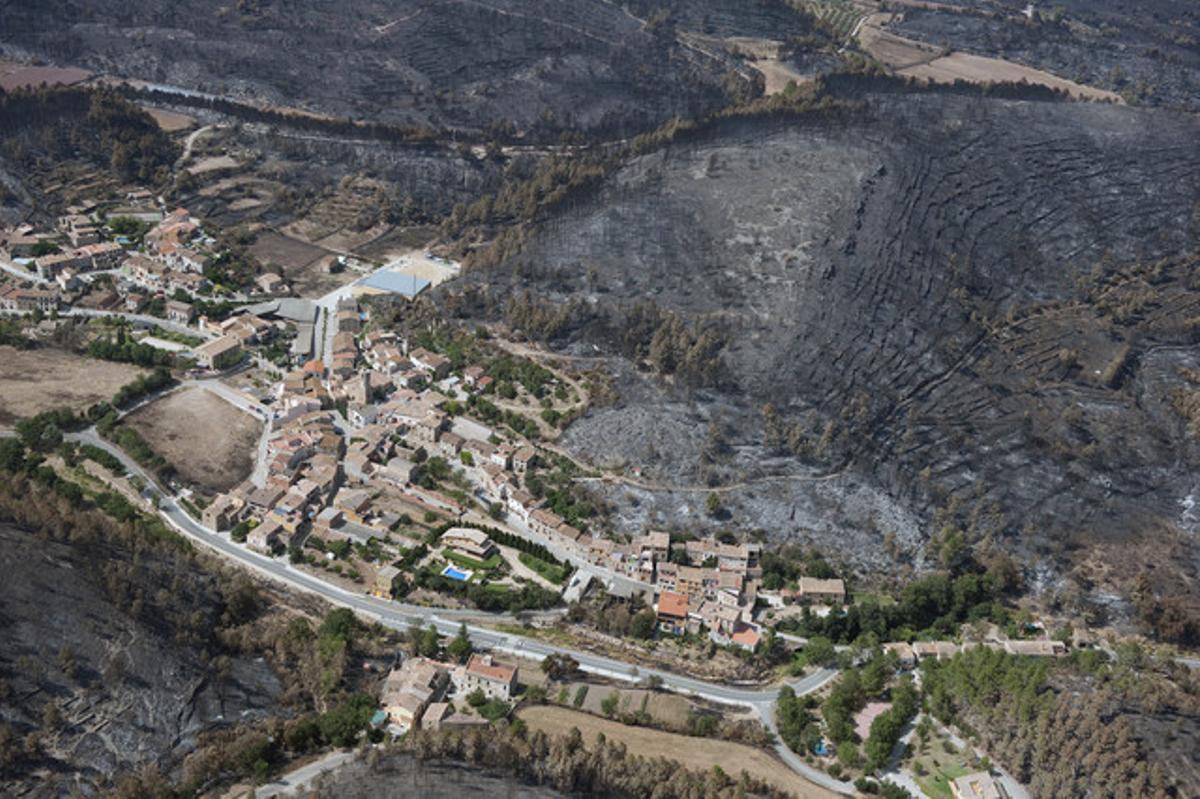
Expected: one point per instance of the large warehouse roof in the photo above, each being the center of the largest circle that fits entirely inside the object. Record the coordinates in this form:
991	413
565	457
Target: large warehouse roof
395	283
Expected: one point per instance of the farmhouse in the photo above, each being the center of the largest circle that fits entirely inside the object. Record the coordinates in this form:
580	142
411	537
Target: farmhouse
270	283
672	612
219	353
495	680
470	542
223	512
813	589
1043	649
179	312
15	300
430	362
409	689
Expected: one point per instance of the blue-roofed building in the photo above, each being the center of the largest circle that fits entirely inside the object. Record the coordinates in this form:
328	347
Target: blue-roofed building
387	281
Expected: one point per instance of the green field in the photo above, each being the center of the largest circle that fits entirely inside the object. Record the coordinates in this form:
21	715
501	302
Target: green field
940	767
553	573
459	559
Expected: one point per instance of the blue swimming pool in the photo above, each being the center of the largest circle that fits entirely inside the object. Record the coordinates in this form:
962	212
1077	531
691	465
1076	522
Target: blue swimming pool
462	575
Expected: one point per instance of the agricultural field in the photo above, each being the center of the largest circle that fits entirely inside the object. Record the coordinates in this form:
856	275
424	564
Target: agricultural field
37	380
694	753
670	710
302	263
170	121
180	427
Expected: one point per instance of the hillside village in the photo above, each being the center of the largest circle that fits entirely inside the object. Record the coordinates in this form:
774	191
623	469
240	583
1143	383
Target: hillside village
379	443
421	469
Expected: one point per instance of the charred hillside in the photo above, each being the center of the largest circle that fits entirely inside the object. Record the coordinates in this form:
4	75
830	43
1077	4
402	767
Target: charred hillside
500	66
971	308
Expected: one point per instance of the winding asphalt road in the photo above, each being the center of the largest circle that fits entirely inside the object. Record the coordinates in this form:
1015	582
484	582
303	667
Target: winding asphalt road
400	616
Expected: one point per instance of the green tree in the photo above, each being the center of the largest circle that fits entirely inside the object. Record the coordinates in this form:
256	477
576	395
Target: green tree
460	648
643	624
819	651
338	623
559	666
847	754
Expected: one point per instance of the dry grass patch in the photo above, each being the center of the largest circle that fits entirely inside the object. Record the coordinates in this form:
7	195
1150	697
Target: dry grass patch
210	442
169	121
693	753
32	381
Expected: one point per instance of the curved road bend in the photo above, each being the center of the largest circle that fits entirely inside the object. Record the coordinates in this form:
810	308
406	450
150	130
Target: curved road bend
400	616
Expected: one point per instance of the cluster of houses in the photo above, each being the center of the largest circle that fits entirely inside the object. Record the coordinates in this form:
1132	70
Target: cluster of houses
324	474
14	299
909	655
414	694
173	258
718	596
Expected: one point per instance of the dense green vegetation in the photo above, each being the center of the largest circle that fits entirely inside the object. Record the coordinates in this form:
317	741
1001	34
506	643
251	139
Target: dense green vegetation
143	386
1043	719
934	605
797	725
555	482
12	334
44	432
102	457
119	347
888	726
553	572
133	229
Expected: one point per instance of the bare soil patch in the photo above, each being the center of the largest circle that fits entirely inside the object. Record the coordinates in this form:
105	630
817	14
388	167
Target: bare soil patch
170	121
37	380
210	443
216	163
302	263
981	69
925	61
694	753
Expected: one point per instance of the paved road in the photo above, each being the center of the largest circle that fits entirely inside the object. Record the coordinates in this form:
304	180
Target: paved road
20	272
401	616
132	317
142	318
298	780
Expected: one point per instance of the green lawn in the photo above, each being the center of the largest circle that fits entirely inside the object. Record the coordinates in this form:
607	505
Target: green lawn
553	573
459	559
940	767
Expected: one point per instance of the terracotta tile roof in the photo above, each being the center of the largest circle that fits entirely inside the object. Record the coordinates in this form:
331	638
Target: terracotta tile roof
482	666
673	604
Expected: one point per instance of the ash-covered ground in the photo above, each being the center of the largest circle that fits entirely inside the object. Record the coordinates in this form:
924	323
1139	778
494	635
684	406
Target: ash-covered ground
574	66
1148	52
107	665
973	306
